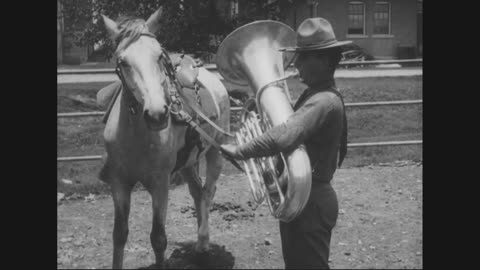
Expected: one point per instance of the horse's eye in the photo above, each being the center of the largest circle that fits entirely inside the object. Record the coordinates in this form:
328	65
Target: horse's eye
122	63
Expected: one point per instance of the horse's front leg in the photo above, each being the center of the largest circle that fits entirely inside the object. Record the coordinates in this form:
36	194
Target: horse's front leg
121	192
158	188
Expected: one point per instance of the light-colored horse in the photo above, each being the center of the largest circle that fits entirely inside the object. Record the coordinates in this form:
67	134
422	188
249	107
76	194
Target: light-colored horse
143	146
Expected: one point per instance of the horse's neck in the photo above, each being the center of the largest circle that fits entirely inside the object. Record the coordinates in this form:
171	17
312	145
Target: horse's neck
134	128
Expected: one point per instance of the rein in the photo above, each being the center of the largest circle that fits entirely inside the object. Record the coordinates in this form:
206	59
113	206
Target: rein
131	99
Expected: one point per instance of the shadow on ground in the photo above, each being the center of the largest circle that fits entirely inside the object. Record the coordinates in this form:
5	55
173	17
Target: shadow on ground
185	257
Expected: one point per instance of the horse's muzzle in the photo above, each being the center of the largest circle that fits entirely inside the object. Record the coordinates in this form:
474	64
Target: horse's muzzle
157	121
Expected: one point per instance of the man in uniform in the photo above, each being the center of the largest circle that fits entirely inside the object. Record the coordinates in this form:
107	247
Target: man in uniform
319	122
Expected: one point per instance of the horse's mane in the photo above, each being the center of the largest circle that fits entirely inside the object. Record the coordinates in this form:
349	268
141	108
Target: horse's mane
130	30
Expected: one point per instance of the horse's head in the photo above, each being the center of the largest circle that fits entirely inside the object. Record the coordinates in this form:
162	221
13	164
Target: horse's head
140	66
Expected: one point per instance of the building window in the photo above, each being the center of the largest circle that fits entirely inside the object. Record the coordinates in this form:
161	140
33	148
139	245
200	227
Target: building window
381	15
356	18
233	8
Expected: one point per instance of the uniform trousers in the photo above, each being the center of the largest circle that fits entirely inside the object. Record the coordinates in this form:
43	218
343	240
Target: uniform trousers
306	239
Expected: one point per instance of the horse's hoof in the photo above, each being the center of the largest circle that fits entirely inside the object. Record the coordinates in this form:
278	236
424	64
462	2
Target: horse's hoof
155	266
199	248
203	244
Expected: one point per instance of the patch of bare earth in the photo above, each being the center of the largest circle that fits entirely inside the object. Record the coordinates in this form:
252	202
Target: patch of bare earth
379	225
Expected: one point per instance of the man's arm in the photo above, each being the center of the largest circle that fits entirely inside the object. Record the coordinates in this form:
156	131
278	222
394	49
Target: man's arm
287	136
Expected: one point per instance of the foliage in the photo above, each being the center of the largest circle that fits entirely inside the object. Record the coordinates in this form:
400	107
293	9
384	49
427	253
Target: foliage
192	26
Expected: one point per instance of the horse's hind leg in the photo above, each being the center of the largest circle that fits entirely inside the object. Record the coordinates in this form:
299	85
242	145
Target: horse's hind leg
214	164
121	199
203	196
190	174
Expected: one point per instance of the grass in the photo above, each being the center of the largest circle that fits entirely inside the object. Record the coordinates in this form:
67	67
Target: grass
82	136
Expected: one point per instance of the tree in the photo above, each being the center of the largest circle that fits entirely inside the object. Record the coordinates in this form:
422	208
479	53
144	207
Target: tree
188	24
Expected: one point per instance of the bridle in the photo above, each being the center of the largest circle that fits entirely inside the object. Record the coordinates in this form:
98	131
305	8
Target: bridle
164	59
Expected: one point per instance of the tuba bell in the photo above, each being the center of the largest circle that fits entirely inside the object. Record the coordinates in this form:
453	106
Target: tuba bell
250	56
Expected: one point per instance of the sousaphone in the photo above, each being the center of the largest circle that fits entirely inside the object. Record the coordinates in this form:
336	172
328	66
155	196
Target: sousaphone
250	56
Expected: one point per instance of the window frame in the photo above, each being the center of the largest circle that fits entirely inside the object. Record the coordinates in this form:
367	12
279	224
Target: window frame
364	34
389	34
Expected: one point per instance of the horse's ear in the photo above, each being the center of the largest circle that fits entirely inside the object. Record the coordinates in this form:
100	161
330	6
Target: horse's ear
111	27
153	22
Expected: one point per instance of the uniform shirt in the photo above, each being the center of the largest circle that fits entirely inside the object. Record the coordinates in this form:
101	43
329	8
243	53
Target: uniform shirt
318	121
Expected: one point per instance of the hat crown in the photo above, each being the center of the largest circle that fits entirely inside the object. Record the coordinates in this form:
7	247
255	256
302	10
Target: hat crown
315	31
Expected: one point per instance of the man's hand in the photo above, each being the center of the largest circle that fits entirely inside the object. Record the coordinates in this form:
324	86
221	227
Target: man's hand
231	151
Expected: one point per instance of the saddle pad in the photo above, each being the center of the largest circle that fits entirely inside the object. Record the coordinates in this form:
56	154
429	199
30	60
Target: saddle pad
106	98
106	94
207	103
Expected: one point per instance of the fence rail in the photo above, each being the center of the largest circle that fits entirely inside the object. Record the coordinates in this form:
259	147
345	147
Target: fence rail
381	62
214	66
358	104
350	145
79	114
79	158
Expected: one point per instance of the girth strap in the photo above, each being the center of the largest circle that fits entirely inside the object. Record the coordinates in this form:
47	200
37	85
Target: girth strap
200	113
197	128
179	87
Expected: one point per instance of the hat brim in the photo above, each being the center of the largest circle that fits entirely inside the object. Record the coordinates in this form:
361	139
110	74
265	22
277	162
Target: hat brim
314	47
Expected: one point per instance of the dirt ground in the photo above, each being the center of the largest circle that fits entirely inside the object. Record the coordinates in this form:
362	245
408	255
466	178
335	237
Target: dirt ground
379	225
